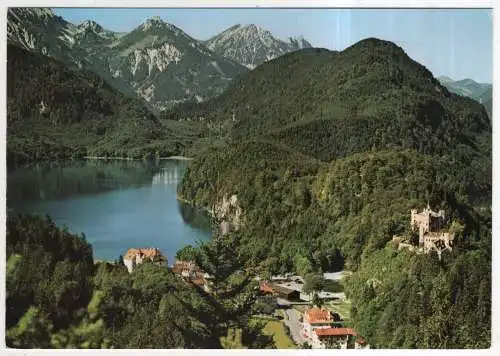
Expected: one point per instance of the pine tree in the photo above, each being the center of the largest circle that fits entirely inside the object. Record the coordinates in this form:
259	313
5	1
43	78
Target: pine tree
232	293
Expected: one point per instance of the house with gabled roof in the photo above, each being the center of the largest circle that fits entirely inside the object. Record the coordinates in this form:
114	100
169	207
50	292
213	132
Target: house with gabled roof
316	318
190	272
279	291
136	256
337	337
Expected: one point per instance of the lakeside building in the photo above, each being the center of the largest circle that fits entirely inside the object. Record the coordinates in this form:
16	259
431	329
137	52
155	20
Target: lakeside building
136	256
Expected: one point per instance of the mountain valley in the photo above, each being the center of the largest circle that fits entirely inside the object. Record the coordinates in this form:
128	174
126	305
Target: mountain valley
310	160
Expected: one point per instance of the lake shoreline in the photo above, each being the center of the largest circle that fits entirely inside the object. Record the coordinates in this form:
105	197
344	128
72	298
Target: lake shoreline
138	207
193	203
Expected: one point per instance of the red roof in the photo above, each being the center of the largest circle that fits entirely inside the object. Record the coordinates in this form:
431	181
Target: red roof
335	332
150	252
317	315
266	288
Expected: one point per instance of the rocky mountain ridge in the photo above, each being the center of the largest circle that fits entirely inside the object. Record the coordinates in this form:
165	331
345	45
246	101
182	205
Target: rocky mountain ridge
156	61
253	45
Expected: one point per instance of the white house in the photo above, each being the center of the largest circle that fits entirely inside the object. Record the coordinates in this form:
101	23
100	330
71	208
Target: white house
136	256
320	331
316	318
342	338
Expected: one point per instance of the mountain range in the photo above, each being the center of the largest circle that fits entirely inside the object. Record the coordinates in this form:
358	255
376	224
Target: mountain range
156	61
329	104
252	45
161	64
482	92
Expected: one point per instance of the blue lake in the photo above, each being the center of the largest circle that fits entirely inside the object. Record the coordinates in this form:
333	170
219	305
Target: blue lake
116	204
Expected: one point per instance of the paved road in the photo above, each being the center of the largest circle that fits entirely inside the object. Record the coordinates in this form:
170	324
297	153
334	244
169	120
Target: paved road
334	275
292	321
284	302
323	295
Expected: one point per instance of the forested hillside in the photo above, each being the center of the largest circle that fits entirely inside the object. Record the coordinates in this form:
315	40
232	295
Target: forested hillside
56	113
327	152
372	78
370	96
58	298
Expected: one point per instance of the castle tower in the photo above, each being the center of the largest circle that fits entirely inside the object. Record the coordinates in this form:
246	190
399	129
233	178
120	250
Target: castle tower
413	216
426	221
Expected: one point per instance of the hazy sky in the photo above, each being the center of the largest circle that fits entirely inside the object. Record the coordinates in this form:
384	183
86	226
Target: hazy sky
457	43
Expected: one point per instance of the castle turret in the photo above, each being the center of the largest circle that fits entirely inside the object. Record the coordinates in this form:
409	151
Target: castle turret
426	221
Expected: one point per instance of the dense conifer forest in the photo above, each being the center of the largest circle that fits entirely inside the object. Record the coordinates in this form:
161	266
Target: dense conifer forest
328	154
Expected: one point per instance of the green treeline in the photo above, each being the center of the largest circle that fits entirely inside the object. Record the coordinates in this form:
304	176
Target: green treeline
403	300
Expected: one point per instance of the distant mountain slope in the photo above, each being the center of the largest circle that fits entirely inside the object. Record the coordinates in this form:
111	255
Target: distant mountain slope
165	65
487	100
54	112
156	61
465	87
482	92
252	45
40	30
79	46
331	104
369	97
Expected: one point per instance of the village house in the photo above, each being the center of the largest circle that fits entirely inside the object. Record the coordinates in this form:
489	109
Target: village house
279	291
136	256
190	272
316	318
186	269
342	338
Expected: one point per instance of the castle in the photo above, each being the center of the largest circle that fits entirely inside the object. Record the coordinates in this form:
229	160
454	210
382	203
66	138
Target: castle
429	225
426	221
